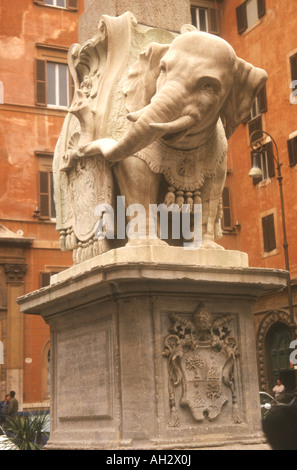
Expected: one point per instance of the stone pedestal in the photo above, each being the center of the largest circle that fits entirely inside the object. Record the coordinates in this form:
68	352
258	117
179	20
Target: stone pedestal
154	354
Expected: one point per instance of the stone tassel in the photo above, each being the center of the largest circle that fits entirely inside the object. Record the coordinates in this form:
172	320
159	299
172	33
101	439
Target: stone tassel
179	198
170	196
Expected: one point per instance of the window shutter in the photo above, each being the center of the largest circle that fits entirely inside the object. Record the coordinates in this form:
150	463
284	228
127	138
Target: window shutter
193	16
44	279
241	17
268	233
44	195
213	21
255	125
261	8
40	74
72	5
293	63
262	100
292	151
227	221
270	159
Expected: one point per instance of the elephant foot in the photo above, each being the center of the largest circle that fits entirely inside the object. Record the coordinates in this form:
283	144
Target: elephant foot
209	244
146	242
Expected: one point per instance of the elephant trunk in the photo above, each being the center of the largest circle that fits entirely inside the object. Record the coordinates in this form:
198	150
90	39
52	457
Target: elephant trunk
160	117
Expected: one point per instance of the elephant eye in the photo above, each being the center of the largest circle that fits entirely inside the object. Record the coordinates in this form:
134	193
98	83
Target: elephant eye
208	88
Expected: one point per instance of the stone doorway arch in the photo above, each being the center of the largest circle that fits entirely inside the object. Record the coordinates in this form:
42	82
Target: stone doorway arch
273	339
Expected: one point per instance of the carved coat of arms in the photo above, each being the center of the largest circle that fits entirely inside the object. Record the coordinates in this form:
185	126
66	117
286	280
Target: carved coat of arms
201	356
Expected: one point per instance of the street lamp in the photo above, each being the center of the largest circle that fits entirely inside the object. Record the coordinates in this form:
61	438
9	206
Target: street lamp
257	147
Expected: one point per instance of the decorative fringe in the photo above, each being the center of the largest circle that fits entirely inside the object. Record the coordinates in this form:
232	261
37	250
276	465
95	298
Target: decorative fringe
180	197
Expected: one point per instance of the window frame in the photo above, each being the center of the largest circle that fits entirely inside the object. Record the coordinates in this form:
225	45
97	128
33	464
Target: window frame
45	197
242	16
70	5
226	209
292	150
267	155
211	15
47	53
267	222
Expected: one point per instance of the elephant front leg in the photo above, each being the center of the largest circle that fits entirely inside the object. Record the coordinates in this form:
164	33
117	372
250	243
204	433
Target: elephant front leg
210	209
140	187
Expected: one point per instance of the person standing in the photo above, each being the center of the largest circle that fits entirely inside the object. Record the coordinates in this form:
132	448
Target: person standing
278	389
13	404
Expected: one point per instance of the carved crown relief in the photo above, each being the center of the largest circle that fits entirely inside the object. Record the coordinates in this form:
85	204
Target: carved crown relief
201	353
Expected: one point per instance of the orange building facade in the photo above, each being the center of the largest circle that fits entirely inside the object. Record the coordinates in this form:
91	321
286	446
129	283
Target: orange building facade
35	92
262	32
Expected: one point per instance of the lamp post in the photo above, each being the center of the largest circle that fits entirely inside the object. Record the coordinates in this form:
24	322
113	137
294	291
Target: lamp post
257	147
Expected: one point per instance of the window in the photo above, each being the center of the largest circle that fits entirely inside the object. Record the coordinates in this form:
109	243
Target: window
259	107
292	150
265	161
268	233
46	206
227	220
204	17
54	84
45	278
57	90
71	5
248	13
47	209
293	66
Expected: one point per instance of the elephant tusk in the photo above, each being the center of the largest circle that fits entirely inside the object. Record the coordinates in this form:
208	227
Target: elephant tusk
135	115
180	124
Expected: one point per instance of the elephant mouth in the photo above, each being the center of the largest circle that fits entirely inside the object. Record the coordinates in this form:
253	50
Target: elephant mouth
175	130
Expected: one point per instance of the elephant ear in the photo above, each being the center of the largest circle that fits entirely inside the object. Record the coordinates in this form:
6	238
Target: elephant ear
142	77
248	81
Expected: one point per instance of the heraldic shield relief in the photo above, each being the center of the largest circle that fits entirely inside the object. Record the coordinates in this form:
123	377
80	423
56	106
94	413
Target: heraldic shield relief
201	354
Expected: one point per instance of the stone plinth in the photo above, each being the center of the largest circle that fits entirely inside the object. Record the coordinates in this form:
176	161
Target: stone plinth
154	354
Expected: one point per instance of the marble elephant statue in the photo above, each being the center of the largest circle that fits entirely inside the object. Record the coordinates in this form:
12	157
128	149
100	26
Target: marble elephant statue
184	100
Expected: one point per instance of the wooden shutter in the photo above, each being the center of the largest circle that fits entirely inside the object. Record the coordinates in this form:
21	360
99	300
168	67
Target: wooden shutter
44	279
44	195
213	21
268	233
262	100
72	5
261	8
292	151
255	125
193	16
227	220
40	74
241	17
293	64
270	160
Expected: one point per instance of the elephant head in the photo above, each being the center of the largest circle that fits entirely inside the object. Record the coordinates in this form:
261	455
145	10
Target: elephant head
178	92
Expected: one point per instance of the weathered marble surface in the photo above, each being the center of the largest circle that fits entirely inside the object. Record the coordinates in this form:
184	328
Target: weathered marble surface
153	355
